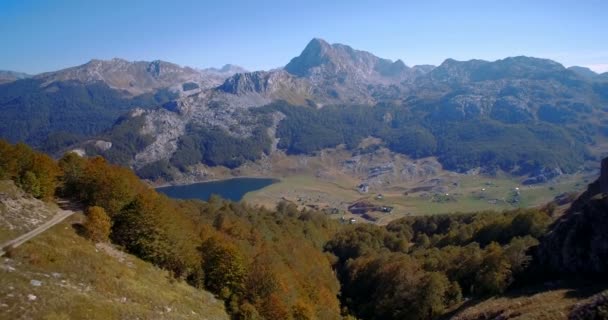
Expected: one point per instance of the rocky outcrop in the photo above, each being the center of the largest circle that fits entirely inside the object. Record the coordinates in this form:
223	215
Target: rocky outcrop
577	244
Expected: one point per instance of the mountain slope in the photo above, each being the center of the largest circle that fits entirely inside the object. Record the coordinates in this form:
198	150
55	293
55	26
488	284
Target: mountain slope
43	279
577	244
520	114
55	109
139	77
584	72
514	114
339	72
567	273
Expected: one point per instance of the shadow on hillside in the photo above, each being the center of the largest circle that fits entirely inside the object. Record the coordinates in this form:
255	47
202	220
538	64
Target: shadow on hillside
575	290
66	204
79	229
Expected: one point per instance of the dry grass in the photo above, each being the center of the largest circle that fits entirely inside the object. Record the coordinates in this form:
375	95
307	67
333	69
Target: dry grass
81	281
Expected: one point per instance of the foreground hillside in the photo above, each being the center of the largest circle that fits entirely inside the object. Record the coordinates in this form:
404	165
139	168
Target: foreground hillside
261	263
569	266
62	275
290	263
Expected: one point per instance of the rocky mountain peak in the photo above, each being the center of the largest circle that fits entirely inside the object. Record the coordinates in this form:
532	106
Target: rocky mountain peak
241	83
265	83
321	60
314	54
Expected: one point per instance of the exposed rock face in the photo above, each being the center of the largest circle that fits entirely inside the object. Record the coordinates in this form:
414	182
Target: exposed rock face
577	244
276	84
340	73
320	60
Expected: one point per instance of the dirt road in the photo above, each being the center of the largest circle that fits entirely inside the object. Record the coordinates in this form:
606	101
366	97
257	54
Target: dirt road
60	216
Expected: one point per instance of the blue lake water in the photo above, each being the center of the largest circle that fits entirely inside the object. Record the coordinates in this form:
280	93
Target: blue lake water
231	189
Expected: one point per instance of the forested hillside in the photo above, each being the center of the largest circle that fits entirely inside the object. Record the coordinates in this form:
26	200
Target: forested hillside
61	114
291	264
267	264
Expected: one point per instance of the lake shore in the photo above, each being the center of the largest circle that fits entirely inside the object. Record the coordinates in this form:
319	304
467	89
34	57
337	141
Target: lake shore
232	189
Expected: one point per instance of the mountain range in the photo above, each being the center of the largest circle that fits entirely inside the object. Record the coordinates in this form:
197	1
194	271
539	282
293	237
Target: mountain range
518	114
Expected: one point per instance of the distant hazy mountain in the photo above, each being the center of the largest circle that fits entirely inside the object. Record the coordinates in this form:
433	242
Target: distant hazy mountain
53	109
584	72
516	113
140	76
521	114
509	68
8	76
228	69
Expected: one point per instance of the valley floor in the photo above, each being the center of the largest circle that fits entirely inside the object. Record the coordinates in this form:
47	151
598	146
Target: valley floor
449	192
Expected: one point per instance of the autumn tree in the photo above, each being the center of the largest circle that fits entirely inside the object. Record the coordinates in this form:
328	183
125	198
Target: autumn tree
47	175
495	273
72	179
36	173
224	267
108	186
98	224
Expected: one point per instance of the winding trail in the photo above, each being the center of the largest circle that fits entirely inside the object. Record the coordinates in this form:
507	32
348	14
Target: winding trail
60	216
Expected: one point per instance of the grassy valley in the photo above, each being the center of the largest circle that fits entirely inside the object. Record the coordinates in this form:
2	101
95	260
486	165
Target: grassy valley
325	186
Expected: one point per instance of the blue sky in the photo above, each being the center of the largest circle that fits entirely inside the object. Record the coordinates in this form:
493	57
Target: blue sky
37	36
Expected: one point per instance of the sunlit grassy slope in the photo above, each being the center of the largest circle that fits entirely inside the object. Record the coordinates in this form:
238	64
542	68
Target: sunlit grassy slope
60	275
